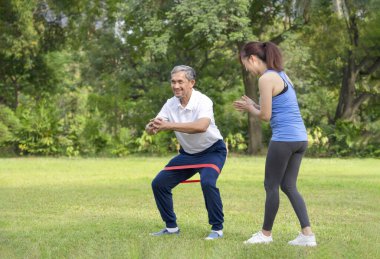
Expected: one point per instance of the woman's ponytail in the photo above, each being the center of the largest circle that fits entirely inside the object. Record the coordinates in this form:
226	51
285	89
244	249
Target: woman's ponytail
273	56
266	51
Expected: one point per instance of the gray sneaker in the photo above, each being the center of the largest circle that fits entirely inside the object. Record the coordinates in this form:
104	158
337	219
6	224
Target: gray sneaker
214	235
164	232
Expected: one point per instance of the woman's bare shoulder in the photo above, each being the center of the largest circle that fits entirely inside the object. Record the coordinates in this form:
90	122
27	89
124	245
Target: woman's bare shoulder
270	77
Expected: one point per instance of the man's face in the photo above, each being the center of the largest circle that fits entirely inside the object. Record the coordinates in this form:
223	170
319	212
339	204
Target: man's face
181	86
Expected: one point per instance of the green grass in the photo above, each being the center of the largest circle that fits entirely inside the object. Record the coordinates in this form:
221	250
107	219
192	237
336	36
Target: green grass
104	208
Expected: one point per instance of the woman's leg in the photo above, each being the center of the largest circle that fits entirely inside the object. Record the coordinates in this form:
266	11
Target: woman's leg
275	166
289	184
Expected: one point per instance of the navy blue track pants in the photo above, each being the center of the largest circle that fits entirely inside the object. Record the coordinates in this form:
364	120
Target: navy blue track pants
209	164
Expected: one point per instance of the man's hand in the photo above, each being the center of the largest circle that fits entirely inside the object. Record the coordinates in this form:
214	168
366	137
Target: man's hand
150	128
160	124
155	125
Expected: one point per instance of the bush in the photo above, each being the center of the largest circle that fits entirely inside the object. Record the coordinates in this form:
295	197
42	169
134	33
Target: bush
318	142
124	143
41	128
161	143
356	139
343	139
9	126
236	143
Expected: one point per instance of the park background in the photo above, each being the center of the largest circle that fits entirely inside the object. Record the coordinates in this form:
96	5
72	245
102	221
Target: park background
82	78
79	80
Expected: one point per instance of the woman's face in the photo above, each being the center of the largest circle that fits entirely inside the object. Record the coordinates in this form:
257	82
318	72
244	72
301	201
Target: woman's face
251	64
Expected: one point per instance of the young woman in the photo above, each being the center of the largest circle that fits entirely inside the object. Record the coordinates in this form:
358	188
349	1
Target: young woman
278	104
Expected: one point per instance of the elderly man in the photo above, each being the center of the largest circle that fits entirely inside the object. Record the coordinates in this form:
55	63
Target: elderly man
189	113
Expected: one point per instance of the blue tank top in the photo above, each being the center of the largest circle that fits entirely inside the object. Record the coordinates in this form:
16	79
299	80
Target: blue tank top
286	121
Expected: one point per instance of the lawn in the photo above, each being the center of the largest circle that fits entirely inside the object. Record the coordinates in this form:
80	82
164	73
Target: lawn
104	208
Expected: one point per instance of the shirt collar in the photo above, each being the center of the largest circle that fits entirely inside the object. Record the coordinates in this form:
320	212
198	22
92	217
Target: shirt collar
190	104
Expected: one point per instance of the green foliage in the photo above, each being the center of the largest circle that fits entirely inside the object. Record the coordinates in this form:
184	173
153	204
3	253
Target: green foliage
345	139
9	125
28	33
40	129
318	142
88	75
161	143
94	138
353	138
236	143
124	143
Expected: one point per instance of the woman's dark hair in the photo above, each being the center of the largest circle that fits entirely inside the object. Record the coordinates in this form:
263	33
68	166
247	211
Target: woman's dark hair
266	51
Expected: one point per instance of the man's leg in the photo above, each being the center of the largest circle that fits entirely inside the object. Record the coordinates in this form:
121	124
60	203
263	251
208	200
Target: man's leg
162	187
212	198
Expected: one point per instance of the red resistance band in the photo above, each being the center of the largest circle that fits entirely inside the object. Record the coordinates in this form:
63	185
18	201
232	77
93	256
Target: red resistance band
192	166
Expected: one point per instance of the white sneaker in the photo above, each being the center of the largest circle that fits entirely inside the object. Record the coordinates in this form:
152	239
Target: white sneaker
259	238
303	240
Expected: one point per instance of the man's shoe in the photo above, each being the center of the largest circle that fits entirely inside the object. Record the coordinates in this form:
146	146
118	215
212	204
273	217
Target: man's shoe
164	232
303	240
214	235
259	238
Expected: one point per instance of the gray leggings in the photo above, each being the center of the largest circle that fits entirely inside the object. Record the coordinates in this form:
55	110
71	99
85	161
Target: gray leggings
281	169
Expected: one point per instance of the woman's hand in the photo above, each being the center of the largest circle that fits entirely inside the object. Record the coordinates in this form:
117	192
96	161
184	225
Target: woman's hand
245	104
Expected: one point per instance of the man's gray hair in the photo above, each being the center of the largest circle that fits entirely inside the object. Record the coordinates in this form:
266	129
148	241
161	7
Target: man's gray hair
189	71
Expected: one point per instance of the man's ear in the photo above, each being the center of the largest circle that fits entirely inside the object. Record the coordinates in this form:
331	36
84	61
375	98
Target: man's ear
192	83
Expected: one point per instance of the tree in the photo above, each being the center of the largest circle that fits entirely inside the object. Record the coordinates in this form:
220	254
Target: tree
28	32
362	57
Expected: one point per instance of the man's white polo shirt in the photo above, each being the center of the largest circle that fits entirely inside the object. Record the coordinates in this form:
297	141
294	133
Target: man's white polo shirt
199	106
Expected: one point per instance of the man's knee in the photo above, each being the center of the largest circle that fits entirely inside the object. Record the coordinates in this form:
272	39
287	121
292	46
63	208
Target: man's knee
158	182
206	184
209	180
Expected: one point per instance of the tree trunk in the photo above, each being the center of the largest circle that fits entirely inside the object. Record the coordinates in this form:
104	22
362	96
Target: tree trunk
15	92
255	141
348	101
347	92
339	6
16	96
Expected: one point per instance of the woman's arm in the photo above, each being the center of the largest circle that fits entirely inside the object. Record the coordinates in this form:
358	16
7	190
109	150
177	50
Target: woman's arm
264	110
266	92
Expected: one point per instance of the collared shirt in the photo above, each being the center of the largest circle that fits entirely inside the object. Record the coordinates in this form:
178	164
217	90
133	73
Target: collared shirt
199	106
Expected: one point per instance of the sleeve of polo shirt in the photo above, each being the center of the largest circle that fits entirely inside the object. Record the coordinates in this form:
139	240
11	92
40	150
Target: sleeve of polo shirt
164	113
206	109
